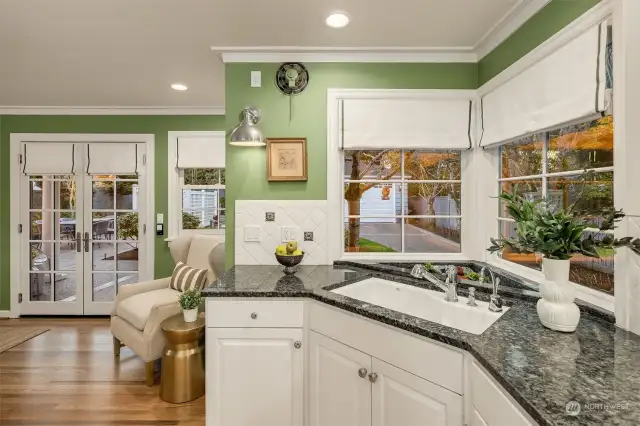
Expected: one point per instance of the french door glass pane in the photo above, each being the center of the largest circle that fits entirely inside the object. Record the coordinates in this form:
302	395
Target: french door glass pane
52	243
115	234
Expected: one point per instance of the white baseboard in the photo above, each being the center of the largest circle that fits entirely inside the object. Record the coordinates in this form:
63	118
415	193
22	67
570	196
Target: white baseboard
5	314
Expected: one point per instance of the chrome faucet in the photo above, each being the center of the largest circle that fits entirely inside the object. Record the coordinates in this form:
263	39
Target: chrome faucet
495	304
450	286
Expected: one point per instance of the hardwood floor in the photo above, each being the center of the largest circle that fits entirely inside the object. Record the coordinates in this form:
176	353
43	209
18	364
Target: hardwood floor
69	376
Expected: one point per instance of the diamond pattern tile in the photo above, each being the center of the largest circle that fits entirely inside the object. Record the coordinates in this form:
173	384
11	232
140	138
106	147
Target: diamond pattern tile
308	215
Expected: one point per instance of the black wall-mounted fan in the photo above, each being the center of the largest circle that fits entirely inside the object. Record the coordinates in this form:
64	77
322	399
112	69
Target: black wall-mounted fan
292	78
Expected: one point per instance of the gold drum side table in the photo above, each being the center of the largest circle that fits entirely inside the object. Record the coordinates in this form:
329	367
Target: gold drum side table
183	360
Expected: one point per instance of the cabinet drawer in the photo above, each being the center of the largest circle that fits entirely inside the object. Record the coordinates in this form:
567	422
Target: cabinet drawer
230	313
493	405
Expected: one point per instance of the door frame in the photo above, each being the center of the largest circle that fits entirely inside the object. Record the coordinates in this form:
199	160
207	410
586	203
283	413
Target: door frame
16	274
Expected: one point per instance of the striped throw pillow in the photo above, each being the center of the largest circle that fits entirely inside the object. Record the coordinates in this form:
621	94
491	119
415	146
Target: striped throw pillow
185	277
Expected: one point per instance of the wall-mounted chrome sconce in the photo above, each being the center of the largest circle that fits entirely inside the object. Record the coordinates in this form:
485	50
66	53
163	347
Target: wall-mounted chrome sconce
247	134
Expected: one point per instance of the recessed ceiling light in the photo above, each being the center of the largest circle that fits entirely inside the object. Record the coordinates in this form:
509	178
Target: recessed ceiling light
179	86
337	20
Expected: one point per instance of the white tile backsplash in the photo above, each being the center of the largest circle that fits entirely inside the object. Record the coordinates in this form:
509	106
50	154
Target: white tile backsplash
302	215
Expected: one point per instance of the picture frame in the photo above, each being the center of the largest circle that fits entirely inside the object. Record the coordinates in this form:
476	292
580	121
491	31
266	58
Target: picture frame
287	159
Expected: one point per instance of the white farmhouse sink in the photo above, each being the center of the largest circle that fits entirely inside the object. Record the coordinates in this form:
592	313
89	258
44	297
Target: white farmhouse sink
422	303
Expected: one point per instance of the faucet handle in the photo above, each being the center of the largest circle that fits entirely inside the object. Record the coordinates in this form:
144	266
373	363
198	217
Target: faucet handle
471	300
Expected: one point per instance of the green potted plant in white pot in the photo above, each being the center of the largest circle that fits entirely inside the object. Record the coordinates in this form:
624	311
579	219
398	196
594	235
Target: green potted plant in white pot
189	302
558	234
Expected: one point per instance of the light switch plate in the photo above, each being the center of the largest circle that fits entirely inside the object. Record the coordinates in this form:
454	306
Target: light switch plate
256	79
159	218
252	233
290	233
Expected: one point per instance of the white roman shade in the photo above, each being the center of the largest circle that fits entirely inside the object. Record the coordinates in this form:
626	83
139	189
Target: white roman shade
566	86
201	152
113	158
48	158
409	123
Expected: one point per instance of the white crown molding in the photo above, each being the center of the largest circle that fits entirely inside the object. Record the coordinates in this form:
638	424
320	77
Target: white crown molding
109	110
246	54
520	13
590	18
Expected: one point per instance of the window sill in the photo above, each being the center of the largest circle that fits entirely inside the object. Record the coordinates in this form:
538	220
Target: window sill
583	293
408	257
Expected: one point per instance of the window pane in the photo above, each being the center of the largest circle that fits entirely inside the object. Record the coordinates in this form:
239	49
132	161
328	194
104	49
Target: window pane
530	260
529	189
439	235
372	199
198	219
432	165
201	176
372	235
375	165
430	199
591	194
523	158
585	145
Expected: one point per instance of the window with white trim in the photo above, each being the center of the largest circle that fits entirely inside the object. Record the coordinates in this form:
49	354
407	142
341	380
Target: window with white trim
405	201
551	166
202	192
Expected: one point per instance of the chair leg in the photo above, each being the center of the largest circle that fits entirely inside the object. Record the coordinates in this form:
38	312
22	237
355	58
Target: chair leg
116	346
150	372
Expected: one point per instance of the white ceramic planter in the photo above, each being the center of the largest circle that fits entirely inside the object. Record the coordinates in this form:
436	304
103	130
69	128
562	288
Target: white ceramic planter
556	309
190	315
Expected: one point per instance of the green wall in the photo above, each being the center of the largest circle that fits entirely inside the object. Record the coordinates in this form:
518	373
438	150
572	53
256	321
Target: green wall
246	167
548	21
157	125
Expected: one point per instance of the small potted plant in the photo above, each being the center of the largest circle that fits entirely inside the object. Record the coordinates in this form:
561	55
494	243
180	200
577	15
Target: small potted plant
189	302
558	234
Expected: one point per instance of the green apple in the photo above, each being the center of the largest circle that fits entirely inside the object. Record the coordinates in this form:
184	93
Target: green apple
291	247
281	250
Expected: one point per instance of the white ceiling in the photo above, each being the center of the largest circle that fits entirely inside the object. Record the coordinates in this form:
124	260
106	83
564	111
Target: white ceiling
127	52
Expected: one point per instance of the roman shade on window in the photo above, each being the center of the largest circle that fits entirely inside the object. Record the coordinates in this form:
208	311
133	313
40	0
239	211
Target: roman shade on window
201	152
113	159
48	158
415	123
566	86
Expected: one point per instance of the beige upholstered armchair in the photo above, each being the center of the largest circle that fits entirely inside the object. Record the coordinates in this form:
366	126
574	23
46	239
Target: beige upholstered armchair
140	308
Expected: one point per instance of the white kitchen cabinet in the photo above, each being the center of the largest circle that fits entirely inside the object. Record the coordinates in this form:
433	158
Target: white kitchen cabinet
255	377
340	391
401	398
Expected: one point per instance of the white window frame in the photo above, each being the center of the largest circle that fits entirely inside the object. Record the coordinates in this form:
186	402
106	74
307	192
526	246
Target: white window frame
593	296
175	185
488	163
335	178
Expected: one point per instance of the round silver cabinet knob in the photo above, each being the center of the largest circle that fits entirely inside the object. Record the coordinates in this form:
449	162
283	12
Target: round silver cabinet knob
297	344
254	315
362	372
373	377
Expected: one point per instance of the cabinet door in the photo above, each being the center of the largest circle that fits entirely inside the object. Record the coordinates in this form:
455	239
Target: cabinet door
339	396
400	398
254	377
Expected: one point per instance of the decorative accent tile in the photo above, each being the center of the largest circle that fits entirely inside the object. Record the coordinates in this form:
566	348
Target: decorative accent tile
304	215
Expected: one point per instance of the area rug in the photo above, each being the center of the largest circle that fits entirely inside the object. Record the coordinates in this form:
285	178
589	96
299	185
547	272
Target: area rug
13	336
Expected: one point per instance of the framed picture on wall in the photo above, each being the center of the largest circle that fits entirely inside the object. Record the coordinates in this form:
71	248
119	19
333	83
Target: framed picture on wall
286	159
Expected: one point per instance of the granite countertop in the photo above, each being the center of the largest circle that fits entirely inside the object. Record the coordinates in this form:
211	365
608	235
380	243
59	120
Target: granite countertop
542	369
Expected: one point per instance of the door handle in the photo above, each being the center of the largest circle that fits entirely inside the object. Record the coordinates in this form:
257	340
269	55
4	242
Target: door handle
78	242
86	242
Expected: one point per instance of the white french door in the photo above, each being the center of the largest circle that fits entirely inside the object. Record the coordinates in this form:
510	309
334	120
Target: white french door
81	235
